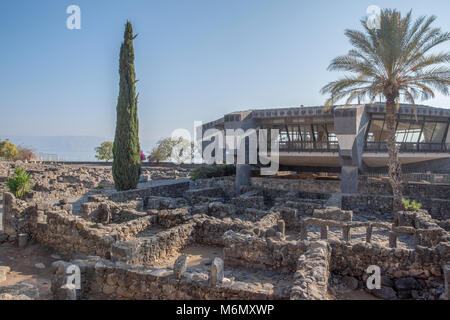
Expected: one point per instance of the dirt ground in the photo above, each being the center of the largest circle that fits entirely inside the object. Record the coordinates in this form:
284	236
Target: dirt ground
22	263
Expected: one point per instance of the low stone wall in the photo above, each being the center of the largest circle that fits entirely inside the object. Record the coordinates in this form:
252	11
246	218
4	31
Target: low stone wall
380	204
420	264
304	208
12	213
246	201
210	230
430	177
289	215
104	279
438	208
261	253
118	212
366	186
69	234
219	209
414	190
161	203
174	190
373	204
172	217
211	192
227	184
306	185
141	251
311	276
66	233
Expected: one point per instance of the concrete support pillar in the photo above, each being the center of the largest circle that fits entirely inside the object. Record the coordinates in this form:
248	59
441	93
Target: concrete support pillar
242	177
349	179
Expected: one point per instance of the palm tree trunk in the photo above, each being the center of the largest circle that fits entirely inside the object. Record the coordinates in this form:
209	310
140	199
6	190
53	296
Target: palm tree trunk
393	162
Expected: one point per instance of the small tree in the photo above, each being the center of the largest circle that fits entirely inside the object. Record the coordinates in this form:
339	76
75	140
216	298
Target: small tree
8	150
24	153
163	149
181	151
19	184
104	151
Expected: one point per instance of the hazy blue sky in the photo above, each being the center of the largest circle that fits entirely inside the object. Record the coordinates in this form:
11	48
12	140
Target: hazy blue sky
195	59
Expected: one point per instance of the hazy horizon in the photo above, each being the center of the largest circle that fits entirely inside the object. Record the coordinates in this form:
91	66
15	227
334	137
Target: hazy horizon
67	148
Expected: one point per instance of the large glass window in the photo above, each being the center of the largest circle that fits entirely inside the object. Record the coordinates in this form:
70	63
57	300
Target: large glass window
402	131
306	136
375	133
320	132
306	133
433	132
413	133
448	138
331	134
421	135
439	131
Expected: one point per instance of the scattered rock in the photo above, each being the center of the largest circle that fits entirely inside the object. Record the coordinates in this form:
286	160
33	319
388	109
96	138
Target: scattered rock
180	266
40	265
351	282
406	284
386	293
216	274
21	288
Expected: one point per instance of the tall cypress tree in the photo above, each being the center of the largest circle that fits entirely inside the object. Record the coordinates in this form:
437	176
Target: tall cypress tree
126	150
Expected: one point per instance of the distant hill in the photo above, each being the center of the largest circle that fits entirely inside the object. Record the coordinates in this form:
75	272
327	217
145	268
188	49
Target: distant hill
68	148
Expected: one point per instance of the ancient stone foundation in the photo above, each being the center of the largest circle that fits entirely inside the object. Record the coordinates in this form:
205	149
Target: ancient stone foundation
272	241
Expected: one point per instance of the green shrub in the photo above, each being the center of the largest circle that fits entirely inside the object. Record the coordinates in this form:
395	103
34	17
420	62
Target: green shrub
218	170
411	206
19	184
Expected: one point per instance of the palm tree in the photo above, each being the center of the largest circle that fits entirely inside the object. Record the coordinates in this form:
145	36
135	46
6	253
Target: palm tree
395	61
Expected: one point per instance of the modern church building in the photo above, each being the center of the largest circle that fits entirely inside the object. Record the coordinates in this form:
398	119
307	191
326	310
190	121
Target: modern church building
348	139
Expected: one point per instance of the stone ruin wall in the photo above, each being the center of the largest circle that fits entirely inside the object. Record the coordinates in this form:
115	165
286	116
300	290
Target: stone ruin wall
374	197
251	244
115	280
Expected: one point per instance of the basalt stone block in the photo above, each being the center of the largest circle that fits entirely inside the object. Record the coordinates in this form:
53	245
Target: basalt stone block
216	274
281	226
4	270
446	270
180	266
3	237
406	284
384	293
351	282
22	240
333	213
66	292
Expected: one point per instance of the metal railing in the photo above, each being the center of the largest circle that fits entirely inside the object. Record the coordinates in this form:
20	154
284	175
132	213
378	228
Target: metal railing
408	147
309	146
